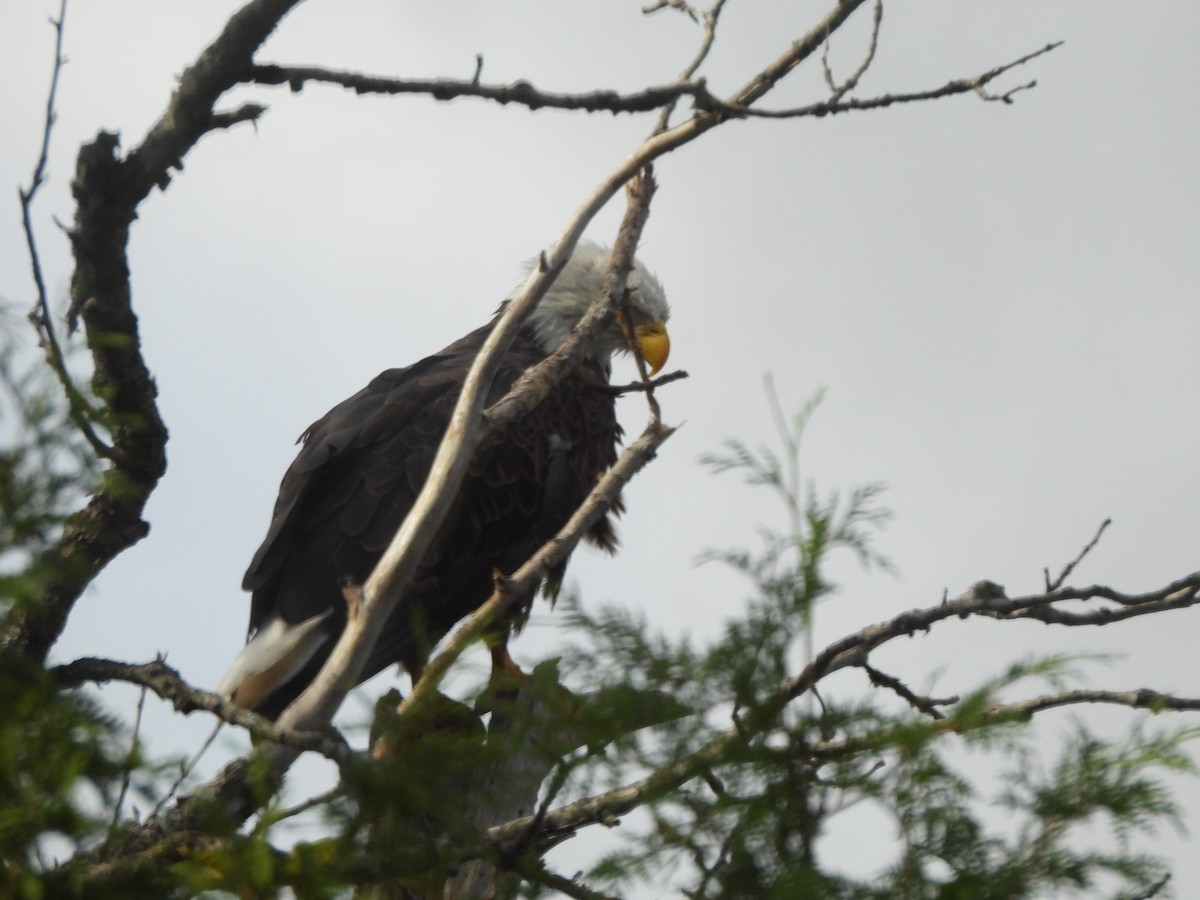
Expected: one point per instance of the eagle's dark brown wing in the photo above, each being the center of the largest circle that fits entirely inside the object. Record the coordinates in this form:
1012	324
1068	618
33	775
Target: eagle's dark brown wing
361	468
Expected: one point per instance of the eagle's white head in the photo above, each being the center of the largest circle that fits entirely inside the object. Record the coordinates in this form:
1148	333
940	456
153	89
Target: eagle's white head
579	284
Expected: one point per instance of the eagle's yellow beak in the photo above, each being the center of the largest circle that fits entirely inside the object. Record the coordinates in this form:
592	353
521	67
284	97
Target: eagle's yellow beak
654	343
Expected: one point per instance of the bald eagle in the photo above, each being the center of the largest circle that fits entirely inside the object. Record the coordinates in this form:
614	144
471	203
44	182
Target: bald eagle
363	463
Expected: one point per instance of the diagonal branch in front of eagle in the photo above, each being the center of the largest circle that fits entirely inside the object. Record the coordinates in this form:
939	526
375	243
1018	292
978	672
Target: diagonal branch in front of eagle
363	464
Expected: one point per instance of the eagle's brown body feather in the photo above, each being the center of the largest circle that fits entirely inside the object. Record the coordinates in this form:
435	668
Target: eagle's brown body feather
361	468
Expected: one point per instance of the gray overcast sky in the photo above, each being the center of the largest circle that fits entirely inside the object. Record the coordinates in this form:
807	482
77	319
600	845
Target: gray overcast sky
1000	299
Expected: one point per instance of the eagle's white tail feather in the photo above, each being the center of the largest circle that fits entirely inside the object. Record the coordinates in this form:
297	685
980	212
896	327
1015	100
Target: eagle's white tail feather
274	655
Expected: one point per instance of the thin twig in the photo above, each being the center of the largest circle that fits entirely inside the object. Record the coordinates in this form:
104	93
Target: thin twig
127	766
837	92
78	408
678	5
310	803
558	780
709	18
927	705
1070	567
1152	891
950	88
639	192
247	112
537	873
185	770
1006	97
647	385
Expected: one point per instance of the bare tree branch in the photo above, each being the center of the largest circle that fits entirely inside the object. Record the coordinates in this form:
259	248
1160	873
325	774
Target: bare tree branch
521	93
949	89
1128	608
1139	699
606	808
801	50
167	684
988	599
536	383
314	802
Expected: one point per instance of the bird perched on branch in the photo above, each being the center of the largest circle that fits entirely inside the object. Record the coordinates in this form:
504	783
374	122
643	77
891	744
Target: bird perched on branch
364	462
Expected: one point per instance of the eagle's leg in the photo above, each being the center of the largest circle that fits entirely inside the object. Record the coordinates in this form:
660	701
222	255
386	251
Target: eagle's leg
507	677
505	672
504	667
